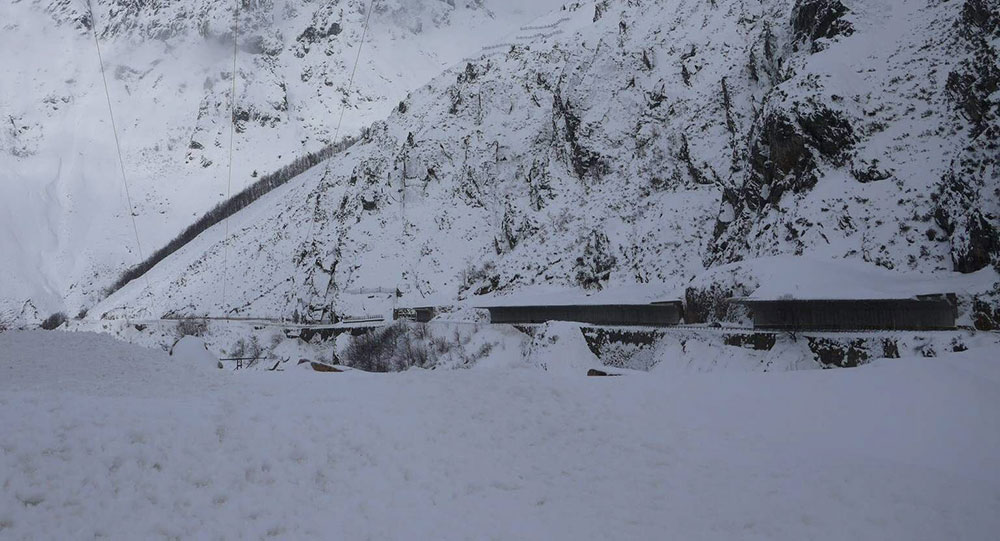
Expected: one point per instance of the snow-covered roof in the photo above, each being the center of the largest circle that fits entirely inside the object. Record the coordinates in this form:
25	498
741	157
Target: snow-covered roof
788	277
556	296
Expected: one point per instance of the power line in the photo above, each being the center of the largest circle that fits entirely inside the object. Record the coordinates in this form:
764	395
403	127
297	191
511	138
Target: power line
232	137
350	83
343	107
114	129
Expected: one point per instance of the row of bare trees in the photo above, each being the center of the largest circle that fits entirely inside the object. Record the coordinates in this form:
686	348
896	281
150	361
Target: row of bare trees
233	205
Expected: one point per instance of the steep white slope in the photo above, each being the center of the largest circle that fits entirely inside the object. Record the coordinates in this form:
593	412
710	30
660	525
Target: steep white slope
169	67
643	141
851	149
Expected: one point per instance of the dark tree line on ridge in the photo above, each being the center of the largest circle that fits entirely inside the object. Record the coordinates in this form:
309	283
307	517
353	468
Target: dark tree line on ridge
231	206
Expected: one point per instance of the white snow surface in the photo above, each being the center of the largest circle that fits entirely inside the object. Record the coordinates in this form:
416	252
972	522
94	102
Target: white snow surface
102	438
193	351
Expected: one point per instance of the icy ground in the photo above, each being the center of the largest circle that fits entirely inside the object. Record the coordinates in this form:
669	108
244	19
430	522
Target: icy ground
101	438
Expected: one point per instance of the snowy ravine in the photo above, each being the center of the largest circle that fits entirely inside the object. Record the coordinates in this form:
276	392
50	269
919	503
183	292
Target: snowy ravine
169	68
105	439
637	143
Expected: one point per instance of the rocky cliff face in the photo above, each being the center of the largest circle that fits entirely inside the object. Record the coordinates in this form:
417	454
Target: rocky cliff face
642	143
968	206
864	157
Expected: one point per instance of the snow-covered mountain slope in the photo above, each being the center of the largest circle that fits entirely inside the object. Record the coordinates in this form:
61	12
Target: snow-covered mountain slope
859	148
645	141
169	67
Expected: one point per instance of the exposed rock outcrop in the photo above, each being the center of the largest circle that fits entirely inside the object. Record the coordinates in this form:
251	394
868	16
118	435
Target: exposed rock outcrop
968	198
817	19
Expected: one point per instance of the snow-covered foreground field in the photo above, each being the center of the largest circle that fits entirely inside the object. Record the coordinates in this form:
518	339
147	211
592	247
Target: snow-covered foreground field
101	438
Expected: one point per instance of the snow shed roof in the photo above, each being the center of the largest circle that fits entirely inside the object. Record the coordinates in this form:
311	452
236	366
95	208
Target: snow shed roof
636	294
798	277
925	313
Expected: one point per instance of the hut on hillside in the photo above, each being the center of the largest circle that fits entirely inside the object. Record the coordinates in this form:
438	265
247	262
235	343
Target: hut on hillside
419	314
